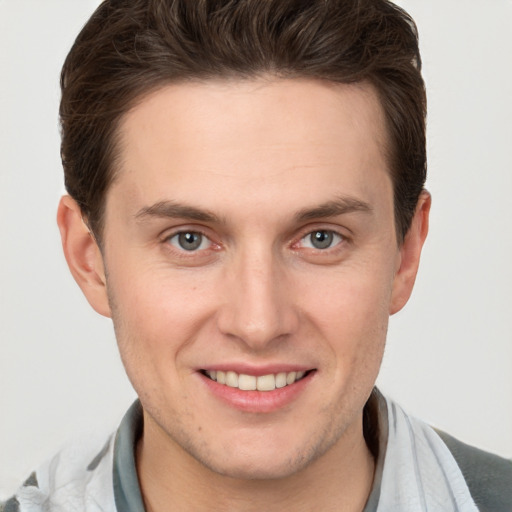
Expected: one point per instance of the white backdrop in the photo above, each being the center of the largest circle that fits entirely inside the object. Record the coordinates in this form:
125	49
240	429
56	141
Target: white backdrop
449	355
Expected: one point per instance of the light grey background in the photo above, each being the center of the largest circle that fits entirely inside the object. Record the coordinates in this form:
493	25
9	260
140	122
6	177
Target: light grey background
449	355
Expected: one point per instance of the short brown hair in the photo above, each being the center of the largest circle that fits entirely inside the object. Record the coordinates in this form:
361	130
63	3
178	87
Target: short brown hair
129	48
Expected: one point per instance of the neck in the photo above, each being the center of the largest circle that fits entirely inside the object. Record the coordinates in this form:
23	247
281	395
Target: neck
340	479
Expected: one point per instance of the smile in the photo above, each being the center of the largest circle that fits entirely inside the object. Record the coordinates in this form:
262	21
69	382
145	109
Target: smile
245	382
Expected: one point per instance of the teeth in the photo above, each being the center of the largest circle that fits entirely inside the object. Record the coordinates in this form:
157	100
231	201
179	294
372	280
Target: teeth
232	379
266	383
250	382
247	382
290	378
281	380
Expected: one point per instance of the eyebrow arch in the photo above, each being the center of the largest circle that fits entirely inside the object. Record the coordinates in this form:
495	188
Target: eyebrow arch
333	208
172	210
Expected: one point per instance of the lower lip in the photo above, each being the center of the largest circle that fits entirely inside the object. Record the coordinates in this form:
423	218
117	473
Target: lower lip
258	401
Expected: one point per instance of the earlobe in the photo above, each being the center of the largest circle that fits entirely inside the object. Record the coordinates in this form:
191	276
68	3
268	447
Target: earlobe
410	253
83	255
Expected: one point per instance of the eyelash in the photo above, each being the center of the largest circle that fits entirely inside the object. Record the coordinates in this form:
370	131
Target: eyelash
179	234
200	255
336	239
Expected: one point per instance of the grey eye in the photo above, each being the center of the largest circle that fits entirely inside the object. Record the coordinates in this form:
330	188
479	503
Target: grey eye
321	239
189	241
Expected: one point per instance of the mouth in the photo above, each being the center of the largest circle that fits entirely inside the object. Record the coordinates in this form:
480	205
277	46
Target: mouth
245	382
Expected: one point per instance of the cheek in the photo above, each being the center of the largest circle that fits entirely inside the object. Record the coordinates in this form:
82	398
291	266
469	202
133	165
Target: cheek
352	314
352	299
155	314
154	319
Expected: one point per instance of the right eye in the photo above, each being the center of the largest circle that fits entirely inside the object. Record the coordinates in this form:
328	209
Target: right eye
189	241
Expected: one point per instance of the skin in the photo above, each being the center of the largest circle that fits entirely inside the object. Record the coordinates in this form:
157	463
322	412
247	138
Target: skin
258	166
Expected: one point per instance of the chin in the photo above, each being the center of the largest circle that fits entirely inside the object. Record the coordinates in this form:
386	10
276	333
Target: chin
261	470
270	461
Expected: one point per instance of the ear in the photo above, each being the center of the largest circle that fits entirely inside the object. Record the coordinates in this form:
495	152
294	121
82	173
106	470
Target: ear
83	255
409	256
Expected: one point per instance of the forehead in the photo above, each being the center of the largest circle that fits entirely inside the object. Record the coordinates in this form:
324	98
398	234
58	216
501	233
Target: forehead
257	138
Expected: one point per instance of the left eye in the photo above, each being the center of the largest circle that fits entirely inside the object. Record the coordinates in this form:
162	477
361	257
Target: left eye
321	239
189	241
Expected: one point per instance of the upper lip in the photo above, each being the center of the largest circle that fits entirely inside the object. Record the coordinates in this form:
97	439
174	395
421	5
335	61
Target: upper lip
257	370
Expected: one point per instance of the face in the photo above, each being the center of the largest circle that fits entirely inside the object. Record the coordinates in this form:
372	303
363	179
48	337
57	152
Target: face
251	266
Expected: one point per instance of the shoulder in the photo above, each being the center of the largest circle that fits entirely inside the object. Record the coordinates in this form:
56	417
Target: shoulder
76	479
488	476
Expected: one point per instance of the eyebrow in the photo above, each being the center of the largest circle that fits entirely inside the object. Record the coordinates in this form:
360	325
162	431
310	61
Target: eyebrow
170	209
173	210
339	206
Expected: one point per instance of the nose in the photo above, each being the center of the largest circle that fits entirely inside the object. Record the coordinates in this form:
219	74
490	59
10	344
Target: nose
258	309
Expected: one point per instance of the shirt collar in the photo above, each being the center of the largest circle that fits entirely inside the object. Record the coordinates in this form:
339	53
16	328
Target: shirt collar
127	493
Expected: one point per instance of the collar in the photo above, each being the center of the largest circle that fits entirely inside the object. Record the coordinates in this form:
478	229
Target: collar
127	494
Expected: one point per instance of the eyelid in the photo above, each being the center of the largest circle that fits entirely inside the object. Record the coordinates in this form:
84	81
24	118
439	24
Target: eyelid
305	231
337	239
204	240
331	231
166	236
184	228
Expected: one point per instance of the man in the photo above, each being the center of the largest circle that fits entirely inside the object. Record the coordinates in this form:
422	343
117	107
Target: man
246	203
